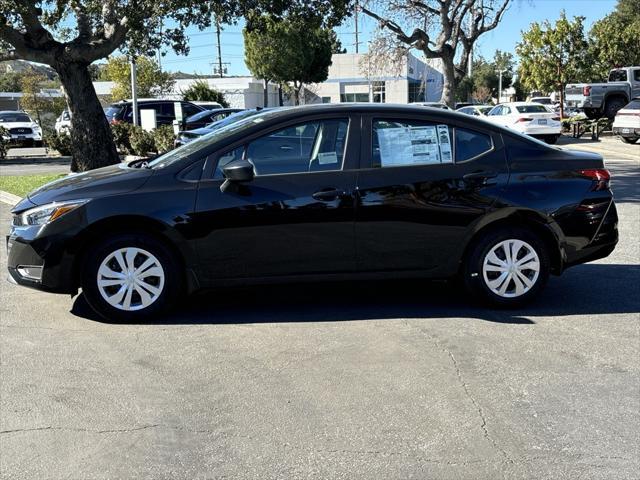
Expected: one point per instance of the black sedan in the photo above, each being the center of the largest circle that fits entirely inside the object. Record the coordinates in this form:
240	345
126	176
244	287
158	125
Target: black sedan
319	192
202	119
189	135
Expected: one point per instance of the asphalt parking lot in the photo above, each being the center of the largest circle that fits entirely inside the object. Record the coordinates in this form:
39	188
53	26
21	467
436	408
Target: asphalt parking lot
371	380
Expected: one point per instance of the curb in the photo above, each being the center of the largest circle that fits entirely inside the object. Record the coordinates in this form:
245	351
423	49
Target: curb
9	198
34	160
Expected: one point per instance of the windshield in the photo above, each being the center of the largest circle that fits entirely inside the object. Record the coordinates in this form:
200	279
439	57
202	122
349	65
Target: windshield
215	136
531	109
485	110
112	110
14	117
200	115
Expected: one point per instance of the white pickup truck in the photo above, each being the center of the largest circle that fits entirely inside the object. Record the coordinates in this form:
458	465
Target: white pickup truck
605	99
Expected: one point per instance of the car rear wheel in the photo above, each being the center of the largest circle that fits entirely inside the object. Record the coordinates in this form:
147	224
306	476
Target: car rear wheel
130	278
507	267
551	139
612	106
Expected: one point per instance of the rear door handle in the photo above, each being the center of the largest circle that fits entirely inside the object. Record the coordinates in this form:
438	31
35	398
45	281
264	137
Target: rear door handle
286	147
483	177
328	194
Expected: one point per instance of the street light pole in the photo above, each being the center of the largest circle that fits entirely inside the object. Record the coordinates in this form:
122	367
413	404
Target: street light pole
499	72
134	91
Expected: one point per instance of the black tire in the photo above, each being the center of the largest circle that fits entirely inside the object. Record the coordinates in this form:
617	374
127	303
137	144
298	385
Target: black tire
629	139
612	106
171	286
38	143
551	139
593	113
474	277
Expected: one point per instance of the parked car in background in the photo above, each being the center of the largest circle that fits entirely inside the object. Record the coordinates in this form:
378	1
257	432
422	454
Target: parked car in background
460	105
314	193
532	119
476	110
63	122
21	128
165	110
432	105
207	105
605	99
189	135
542	101
627	122
202	119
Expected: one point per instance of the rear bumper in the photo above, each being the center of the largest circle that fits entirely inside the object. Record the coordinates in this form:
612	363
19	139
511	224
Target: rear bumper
626	131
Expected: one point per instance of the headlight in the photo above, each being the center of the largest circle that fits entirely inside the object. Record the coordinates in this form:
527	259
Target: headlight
49	212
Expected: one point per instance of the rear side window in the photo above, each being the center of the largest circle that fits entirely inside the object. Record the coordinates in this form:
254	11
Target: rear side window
112	112
397	143
618	76
636	75
189	109
470	144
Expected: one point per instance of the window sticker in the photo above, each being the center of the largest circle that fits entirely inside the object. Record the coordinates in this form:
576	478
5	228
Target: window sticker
414	145
327	158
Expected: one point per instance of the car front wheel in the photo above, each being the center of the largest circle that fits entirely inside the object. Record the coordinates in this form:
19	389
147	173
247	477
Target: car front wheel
130	278
507	267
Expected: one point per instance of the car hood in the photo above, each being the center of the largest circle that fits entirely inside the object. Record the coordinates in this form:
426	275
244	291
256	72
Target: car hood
96	183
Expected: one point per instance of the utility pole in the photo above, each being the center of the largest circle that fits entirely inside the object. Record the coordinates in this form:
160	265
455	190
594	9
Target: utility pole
355	15
220	71
499	72
134	91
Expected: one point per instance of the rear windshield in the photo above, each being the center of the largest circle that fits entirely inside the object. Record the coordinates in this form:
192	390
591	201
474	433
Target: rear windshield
543	100
200	115
618	76
14	117
531	109
112	111
633	105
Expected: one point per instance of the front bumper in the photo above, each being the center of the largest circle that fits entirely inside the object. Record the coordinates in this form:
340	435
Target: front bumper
40	263
19	138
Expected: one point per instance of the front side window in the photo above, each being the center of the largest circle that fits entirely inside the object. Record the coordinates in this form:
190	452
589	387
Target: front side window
307	147
402	143
636	74
470	144
497	110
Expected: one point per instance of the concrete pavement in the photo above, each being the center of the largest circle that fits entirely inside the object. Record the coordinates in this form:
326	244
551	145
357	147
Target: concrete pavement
370	380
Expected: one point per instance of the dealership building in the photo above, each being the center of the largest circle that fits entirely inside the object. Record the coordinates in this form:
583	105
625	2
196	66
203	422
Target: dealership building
351	79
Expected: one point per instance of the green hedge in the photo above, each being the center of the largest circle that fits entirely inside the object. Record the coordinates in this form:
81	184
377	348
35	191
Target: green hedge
134	140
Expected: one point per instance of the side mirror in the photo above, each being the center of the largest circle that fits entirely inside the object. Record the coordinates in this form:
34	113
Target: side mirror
238	171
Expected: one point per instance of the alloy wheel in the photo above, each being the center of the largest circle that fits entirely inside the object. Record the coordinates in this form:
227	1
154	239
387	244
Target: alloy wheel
511	268
130	279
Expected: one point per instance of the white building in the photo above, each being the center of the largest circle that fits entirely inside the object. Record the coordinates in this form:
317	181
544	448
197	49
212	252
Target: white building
352	79
240	92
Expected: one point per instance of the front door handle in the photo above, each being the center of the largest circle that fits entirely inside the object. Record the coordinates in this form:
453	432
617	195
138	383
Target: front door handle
328	194
482	177
286	147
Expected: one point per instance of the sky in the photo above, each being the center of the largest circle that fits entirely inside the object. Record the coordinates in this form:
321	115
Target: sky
519	16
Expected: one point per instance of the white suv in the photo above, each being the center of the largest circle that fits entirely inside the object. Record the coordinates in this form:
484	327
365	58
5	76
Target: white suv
20	128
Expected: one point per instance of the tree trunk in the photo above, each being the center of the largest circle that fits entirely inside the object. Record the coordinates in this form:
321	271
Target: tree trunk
449	81
562	100
91	139
265	102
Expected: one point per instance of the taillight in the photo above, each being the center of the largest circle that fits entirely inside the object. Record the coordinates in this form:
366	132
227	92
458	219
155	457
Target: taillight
586	90
523	119
600	177
556	119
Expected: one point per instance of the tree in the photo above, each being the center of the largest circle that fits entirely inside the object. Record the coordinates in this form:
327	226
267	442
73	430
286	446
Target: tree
151	81
293	50
31	100
439	28
485	77
614	41
10	82
201	91
553	55
37	30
